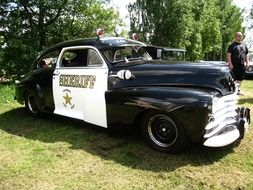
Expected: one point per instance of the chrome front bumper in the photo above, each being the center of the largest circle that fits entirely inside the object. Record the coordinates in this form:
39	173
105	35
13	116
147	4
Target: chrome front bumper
230	132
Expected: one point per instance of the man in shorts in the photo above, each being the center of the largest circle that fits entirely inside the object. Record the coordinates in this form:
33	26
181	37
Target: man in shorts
237	57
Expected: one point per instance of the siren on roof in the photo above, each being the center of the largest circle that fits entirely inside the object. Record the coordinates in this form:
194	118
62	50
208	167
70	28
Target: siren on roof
135	36
100	32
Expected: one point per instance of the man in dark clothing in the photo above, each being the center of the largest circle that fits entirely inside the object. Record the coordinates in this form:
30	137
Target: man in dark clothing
237	57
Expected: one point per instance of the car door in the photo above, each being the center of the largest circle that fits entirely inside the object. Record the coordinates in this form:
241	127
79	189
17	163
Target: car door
79	85
42	76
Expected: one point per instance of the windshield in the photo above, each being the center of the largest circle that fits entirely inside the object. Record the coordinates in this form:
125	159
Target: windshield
126	54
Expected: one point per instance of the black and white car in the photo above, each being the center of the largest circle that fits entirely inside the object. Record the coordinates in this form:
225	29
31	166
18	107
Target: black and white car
109	81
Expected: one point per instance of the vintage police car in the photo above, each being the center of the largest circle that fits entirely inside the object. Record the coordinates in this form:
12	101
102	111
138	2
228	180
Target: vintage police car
113	81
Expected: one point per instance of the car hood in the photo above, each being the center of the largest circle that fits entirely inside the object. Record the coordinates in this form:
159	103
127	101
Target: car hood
161	73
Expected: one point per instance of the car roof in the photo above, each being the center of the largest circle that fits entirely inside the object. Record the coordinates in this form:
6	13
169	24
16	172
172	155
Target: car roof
100	43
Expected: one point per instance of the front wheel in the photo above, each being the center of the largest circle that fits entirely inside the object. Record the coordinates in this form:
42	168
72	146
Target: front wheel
32	104
163	133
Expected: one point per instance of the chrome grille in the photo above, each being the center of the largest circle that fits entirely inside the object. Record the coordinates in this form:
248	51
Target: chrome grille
223	114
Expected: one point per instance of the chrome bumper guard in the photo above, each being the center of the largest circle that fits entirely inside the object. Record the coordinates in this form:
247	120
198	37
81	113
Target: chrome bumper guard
230	132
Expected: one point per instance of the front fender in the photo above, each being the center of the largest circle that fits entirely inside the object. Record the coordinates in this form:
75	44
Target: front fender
189	107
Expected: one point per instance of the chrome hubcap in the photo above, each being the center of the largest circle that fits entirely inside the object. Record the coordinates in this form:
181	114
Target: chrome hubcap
162	130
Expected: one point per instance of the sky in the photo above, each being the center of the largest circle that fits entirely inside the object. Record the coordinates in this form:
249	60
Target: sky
243	3
121	6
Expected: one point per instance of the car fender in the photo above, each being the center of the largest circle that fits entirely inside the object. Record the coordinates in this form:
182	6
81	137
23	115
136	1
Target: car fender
188	106
26	85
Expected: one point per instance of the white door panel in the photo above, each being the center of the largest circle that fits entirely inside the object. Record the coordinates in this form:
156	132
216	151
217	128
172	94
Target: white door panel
79	92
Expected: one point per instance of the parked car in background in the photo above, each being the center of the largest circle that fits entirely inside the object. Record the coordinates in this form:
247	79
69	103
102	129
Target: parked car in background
113	81
166	53
249	71
173	54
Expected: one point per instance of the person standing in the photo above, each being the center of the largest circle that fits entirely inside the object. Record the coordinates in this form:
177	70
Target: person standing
238	61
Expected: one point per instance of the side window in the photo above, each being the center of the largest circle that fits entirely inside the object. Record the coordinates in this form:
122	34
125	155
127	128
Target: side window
49	60
74	58
93	58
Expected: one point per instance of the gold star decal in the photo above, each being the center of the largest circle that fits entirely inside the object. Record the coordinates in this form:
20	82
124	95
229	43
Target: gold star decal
67	99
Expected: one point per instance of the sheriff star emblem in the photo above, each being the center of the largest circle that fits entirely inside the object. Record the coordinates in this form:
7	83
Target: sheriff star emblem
67	99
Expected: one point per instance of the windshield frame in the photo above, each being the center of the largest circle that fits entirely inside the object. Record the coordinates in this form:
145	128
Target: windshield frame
142	56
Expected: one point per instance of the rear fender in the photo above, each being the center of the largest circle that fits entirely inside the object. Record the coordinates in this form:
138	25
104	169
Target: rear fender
30	86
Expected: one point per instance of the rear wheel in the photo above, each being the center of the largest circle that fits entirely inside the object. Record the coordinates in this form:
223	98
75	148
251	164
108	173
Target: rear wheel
32	104
163	133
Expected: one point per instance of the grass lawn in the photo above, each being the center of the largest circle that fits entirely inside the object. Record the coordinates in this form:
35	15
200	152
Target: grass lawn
60	153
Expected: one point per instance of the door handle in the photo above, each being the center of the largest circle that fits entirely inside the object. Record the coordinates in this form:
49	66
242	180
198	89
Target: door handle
56	73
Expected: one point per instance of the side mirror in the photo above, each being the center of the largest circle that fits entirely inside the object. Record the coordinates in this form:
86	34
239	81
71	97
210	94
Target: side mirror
124	74
158	53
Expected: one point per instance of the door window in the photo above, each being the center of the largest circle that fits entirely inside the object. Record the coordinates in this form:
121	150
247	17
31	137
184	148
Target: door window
80	58
49	60
74	58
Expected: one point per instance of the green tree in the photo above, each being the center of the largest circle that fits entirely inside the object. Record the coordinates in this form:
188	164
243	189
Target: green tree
231	22
30	26
162	22
1	56
203	28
